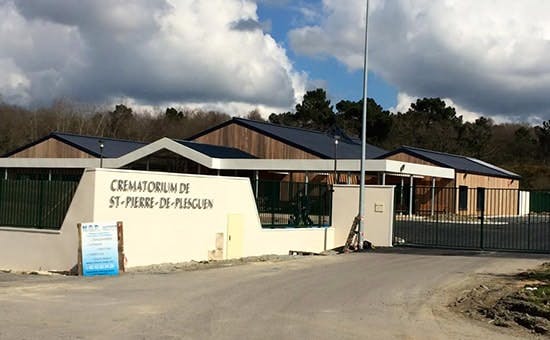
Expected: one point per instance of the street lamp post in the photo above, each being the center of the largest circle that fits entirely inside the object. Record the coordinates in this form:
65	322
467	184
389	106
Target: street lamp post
101	146
336	139
360	235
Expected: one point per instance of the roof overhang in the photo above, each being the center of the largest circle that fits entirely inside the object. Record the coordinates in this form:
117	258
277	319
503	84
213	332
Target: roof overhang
327	165
302	165
52	163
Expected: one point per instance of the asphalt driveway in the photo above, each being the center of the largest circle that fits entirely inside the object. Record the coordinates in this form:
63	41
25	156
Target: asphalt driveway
400	294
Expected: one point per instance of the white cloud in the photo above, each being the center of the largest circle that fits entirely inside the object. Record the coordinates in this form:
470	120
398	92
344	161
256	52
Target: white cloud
488	56
14	85
403	102
152	51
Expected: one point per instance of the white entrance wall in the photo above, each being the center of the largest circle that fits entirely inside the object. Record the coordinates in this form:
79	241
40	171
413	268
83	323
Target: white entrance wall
182	225
167	218
378	213
179	217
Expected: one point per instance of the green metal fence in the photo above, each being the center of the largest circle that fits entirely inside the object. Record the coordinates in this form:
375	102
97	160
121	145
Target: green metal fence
38	204
539	201
470	218
294	205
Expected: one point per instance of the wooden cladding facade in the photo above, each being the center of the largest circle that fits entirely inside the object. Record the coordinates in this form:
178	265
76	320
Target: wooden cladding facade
497	195
482	181
254	143
500	195
51	148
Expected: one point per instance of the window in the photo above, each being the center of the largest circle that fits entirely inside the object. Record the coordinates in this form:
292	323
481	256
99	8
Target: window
462	197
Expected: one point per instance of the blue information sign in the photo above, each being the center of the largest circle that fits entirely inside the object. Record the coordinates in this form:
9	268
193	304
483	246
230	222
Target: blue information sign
99	249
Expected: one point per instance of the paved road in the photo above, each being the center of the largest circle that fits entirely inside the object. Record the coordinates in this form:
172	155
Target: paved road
369	296
513	233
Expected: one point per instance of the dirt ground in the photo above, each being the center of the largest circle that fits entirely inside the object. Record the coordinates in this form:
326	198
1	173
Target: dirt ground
518	302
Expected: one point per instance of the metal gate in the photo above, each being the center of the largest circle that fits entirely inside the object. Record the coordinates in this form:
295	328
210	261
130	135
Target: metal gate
472	218
294	205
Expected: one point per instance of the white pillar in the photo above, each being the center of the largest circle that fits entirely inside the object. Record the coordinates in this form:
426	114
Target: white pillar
411	196
401	193
6	174
433	195
257	180
383	178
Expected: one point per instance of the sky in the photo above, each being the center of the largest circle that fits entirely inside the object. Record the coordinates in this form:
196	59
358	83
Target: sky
483	57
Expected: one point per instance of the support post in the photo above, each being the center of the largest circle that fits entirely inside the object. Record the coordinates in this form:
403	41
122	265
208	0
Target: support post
121	256
307	182
79	251
481	228
383	178
361	215
325	239
101	146
257	183
411	196
6	174
336	138
401	193
433	195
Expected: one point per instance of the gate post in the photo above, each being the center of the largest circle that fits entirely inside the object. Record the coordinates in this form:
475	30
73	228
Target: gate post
482	218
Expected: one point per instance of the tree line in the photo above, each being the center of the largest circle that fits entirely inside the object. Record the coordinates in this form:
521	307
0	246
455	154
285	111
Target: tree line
428	123
431	124
20	125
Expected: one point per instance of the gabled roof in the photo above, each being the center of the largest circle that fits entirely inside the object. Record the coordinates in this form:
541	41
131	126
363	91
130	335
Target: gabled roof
317	143
112	147
457	162
216	151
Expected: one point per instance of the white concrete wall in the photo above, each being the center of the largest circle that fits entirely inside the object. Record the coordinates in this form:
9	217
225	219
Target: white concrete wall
155	234
281	241
524	202
379	211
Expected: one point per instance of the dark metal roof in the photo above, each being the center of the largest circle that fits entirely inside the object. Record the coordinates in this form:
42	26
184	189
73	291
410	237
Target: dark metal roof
318	143
457	162
113	148
216	151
